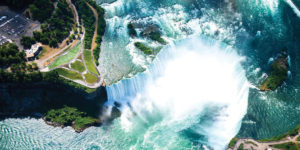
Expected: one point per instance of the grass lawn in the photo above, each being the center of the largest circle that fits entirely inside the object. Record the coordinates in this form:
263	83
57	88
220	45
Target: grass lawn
69	74
90	78
78	86
78	65
89	61
71	54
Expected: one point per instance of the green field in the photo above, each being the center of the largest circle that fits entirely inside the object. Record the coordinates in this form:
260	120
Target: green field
67	57
90	78
89	62
69	74
78	65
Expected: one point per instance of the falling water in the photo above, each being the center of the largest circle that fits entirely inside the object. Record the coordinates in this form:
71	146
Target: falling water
194	94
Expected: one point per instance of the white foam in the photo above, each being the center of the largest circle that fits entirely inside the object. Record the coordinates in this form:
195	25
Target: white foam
186	81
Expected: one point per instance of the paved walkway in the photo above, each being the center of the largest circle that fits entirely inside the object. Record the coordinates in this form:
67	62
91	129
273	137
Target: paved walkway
56	54
80	54
248	143
94	44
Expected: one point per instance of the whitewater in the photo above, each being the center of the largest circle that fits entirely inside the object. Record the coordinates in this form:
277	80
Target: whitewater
194	94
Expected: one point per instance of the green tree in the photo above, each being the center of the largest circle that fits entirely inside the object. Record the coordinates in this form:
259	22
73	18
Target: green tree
41	10
37	35
27	41
53	43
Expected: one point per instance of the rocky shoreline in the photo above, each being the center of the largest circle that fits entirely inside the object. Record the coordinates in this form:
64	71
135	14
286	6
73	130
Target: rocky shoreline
39	99
78	130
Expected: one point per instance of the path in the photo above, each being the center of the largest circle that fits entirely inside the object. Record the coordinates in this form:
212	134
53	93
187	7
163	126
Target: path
56	52
263	145
94	44
80	54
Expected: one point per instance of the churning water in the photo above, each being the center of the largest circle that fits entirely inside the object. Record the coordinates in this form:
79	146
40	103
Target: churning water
195	92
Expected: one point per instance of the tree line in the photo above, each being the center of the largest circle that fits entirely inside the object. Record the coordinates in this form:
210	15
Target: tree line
10	54
100	29
87	18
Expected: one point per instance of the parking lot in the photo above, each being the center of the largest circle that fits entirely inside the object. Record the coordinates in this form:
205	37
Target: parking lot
14	25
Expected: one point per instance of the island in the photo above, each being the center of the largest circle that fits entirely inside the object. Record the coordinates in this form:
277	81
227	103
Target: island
151	32
278	73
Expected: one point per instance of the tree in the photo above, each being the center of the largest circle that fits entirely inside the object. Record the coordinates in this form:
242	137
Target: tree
27	41
41	10
16	4
44	39
10	54
53	43
51	76
37	35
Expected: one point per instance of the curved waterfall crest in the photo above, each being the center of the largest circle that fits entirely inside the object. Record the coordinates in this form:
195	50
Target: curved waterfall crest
195	87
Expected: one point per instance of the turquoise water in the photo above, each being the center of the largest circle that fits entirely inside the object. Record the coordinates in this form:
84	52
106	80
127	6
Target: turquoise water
189	116
272	113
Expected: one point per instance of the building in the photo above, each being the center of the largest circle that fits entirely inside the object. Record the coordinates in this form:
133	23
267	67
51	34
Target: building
33	51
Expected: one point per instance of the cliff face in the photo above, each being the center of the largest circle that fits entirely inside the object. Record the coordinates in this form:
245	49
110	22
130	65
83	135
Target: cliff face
278	73
37	100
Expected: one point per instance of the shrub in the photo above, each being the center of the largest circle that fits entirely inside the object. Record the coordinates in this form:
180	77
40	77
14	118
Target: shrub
143	48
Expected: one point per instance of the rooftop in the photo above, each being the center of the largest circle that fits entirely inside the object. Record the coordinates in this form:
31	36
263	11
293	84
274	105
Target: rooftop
33	50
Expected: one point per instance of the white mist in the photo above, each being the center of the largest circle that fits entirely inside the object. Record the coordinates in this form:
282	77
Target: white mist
195	86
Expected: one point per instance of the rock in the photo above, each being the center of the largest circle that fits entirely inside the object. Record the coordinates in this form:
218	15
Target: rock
131	30
154	34
150	29
115	113
117	104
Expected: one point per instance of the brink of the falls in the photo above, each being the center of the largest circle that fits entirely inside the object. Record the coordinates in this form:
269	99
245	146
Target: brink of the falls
194	94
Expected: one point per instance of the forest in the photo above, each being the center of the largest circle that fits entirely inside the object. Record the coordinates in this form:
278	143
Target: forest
56	24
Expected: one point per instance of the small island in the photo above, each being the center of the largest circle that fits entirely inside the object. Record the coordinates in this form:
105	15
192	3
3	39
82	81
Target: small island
151	32
70	116
278	73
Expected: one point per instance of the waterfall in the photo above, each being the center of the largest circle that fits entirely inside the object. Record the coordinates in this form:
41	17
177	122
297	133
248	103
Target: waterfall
193	94
294	7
